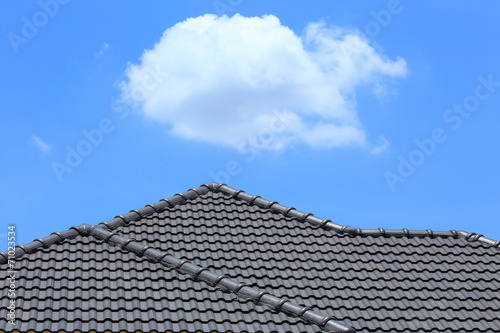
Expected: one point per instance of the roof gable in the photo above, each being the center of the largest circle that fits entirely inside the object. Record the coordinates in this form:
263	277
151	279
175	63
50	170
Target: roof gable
371	280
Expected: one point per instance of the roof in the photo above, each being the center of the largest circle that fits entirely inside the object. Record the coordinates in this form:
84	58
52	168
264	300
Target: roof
216	259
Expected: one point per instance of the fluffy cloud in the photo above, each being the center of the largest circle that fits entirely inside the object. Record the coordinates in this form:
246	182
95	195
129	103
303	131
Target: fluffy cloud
105	47
40	144
252	81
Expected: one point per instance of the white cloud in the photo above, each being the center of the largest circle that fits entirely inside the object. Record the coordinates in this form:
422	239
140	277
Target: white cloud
105	46
40	144
238	80
382	147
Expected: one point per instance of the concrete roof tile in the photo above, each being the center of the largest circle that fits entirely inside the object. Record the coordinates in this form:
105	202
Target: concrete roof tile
129	273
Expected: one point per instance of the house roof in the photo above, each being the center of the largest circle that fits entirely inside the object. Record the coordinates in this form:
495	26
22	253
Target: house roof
216	259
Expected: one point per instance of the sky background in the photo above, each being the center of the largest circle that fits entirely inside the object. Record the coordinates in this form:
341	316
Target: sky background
392	109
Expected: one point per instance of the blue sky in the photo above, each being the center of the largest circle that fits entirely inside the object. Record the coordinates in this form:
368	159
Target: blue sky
372	114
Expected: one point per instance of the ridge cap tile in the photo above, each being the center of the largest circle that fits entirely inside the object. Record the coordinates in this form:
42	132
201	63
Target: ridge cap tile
107	232
274	206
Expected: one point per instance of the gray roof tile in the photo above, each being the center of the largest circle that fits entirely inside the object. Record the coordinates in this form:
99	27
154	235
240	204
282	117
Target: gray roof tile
373	280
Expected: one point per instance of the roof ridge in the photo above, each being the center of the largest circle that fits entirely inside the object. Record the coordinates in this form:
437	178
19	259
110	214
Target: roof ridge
117	221
105	231
193	193
182	266
240	289
150	209
327	224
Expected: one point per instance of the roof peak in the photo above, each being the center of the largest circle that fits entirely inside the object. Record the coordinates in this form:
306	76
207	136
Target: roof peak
273	206
106	232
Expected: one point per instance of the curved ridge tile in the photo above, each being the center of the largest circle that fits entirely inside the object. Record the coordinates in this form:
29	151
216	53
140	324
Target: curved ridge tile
373	280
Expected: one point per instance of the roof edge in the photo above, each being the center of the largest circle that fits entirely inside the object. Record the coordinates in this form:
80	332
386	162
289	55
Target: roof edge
193	193
54	238
117	221
160	206
198	273
327	224
226	284
104	231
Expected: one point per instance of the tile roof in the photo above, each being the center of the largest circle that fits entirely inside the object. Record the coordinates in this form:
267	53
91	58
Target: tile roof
216	259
